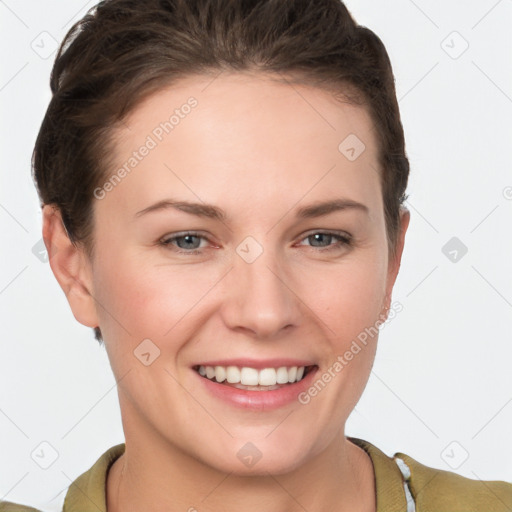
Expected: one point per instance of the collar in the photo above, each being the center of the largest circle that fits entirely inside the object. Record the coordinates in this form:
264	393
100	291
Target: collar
389	482
88	491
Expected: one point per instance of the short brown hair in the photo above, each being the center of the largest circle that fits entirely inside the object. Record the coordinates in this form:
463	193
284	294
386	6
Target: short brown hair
123	50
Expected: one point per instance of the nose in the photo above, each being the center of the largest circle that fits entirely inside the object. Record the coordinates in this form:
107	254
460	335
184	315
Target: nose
259	297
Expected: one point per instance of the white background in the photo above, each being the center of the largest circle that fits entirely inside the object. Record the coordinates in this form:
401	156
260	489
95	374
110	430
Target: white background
441	387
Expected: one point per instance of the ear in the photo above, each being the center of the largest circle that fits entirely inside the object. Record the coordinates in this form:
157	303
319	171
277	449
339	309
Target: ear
394	263
70	266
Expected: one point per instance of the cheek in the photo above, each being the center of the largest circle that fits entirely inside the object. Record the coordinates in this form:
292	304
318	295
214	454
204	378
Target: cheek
348	298
349	306
141	299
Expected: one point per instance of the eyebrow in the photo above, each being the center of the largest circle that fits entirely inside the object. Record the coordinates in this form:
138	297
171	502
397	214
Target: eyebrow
316	209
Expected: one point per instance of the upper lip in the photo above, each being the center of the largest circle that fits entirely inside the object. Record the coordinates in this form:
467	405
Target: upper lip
258	363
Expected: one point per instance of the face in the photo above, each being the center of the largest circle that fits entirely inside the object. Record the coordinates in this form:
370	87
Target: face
254	277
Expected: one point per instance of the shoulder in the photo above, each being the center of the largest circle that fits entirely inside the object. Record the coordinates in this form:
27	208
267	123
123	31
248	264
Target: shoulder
89	487
8	506
403	483
436	489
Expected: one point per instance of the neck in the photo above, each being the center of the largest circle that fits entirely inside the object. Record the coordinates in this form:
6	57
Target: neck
340	478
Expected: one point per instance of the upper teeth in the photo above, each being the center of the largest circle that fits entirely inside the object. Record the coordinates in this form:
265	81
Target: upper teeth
251	376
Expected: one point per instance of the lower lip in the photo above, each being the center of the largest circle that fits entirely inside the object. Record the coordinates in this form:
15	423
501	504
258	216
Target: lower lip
259	400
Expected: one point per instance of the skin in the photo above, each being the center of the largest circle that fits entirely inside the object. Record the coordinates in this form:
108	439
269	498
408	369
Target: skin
258	149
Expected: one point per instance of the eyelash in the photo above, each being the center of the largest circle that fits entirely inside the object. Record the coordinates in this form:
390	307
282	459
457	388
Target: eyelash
344	240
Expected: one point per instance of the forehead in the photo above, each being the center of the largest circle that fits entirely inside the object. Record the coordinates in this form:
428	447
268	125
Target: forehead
249	133
260	103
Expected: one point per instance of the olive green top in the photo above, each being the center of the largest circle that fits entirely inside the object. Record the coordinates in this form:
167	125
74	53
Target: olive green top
432	490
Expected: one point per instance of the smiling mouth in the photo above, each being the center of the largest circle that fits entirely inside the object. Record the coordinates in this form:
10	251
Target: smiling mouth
252	379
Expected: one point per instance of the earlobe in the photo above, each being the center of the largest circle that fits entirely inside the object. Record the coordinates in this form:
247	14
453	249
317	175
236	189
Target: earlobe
70	267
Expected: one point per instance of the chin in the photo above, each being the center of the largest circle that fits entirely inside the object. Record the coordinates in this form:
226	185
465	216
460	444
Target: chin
278	463
259	457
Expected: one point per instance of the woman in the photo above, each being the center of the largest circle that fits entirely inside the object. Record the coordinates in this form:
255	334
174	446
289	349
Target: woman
222	186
